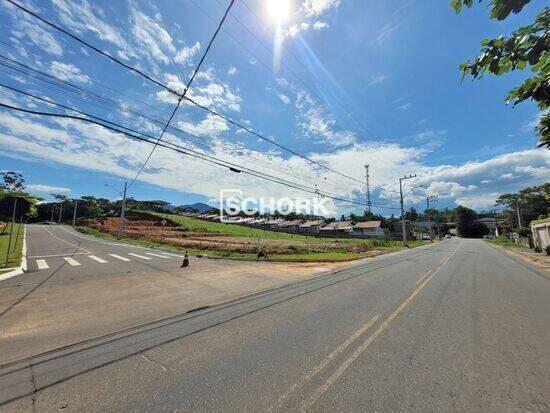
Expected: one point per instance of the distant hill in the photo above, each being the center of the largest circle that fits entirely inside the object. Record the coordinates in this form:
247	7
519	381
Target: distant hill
201	207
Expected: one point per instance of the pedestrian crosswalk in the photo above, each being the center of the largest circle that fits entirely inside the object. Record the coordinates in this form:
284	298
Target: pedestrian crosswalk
87	259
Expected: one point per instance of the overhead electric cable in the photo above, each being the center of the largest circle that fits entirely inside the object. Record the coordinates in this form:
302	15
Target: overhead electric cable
190	152
184	92
94	48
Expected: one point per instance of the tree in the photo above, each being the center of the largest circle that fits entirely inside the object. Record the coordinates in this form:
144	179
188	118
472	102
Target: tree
411	215
533	202
527	46
466	225
12	181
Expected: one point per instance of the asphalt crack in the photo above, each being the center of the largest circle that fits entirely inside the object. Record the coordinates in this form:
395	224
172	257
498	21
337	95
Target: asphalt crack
150	360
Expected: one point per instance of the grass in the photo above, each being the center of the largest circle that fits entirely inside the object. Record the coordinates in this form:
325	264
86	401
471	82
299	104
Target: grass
302	253
199	225
14	258
333	255
506	243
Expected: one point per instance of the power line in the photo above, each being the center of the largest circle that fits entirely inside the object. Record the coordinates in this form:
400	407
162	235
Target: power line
189	152
245	128
66	32
94	48
67	86
185	91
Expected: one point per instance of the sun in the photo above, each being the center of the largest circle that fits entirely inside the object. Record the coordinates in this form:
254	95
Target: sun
278	9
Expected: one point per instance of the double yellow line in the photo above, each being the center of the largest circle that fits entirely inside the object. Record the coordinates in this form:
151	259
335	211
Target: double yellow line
66	242
314	396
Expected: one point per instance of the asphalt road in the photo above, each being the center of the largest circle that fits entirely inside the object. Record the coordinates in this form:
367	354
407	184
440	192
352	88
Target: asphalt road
458	326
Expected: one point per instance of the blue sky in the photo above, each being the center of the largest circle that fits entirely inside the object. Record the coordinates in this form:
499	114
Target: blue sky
357	82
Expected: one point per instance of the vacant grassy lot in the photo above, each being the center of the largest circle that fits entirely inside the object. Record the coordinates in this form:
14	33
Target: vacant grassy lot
14	258
507	243
235	241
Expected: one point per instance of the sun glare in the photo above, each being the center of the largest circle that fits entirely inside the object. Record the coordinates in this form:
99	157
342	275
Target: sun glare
278	9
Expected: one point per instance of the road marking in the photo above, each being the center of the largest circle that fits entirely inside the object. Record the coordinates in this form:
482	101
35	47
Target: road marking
321	366
424	276
120	258
71	261
42	264
139	256
306	405
173	255
57	255
66	242
157	255
100	260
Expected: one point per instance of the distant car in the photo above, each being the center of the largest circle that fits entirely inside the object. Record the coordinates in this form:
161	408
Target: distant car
448	236
425	237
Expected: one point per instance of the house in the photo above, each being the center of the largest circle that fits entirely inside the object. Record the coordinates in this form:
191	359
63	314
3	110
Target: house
541	233
311	227
273	223
291	225
370	228
337	228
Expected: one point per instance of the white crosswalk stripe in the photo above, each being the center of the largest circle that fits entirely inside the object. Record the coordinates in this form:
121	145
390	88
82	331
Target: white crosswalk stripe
157	255
173	255
100	260
71	261
120	258
42	264
138	256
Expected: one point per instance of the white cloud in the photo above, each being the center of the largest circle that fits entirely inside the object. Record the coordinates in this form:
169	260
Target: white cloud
386	32
317	123
37	35
48	189
211	126
232	70
378	79
186	54
405	106
318	7
155	41
68	72
284	98
319	25
81	17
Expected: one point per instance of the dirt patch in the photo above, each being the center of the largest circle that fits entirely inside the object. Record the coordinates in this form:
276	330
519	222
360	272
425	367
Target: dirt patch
137	227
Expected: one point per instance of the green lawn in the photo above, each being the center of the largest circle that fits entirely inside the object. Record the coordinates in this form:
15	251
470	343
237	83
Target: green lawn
14	258
506	243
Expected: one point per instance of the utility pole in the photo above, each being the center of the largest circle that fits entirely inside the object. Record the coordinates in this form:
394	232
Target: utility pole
11	232
368	188
121	222
428	199
60	211
74	212
403	224
520	224
318	216
496	223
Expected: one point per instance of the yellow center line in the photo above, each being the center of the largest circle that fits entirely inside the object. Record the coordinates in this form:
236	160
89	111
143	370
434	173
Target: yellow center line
67	242
306	405
424	276
320	367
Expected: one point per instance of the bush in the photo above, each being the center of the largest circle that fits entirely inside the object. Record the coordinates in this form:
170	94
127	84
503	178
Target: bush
547	250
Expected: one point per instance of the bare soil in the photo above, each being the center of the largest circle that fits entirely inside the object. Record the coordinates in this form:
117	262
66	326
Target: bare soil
153	230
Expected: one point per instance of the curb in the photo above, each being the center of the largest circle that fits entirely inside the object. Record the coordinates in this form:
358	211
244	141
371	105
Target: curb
23	266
